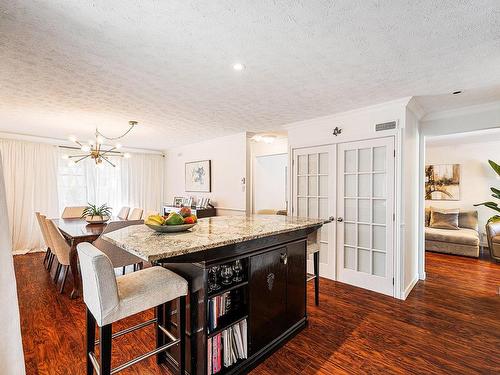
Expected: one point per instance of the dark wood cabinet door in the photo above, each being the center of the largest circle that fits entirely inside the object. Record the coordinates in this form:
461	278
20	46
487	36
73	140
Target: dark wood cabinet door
268	294
296	281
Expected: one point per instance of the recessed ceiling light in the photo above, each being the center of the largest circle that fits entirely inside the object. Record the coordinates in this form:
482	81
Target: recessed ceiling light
238	67
457	92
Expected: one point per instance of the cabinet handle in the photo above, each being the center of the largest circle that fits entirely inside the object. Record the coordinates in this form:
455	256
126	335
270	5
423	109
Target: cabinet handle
284	258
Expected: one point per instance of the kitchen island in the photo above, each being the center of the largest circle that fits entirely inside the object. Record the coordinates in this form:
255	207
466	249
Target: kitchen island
247	285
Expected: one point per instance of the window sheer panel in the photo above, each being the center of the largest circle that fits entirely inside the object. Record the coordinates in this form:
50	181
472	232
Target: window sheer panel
30	173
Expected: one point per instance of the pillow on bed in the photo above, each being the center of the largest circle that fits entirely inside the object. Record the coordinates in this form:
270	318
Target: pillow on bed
444	218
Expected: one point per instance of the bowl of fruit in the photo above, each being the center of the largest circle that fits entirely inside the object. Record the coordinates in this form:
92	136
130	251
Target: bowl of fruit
174	222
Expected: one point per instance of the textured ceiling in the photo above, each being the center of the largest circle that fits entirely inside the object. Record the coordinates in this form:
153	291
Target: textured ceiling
67	66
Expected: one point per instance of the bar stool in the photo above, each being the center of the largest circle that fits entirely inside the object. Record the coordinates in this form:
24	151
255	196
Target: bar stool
110	299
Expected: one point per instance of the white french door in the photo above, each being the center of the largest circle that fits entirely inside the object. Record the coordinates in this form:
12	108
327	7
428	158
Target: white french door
365	209
313	192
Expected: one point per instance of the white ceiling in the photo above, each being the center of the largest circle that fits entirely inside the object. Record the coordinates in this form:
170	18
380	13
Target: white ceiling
67	66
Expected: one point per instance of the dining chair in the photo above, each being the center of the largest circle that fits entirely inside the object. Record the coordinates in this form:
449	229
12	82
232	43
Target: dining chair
110	299
119	257
123	214
61	249
74	212
148	213
47	260
135	214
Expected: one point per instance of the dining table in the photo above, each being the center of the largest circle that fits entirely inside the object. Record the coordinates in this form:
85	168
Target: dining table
76	231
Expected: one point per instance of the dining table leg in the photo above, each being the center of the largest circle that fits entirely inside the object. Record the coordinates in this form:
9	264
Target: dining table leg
73	263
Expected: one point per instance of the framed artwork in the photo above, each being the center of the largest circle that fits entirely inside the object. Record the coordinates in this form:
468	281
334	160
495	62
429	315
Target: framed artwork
178	201
442	182
198	176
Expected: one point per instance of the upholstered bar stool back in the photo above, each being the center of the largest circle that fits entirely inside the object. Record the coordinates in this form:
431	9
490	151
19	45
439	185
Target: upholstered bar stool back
313	246
110	299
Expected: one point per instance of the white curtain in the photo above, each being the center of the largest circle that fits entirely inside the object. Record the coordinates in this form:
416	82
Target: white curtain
142	181
30	172
134	182
11	346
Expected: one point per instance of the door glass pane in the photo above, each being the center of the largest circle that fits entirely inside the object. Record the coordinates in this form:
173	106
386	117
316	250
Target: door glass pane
379	158
313	186
364	185
350	258
323	253
379	188
379	237
350	234
364	261
313	207
364	161
302	207
323	186
302	164
364	235
364	210
302	185
350	161
350	185
313	164
378	264
323	163
323	208
350	209
379	211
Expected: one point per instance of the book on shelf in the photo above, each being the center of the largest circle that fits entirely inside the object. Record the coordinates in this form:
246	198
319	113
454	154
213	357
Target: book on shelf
227	347
218	307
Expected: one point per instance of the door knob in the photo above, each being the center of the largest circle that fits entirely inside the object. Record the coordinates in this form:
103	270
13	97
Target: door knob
339	219
330	219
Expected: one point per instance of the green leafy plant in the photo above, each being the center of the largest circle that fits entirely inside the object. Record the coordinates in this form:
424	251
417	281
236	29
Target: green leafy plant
92	210
496	194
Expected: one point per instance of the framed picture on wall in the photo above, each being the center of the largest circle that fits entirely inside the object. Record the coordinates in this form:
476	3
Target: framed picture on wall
198	176
442	182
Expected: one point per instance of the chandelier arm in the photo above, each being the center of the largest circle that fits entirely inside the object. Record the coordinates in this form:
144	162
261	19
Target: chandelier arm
106	159
108	151
76	156
79	160
132	124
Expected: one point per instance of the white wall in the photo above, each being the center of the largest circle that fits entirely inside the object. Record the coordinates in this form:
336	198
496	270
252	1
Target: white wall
410	191
476	176
269	182
258	149
229	167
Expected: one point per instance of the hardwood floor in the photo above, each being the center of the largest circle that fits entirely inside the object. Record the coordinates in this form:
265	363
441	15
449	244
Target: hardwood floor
450	324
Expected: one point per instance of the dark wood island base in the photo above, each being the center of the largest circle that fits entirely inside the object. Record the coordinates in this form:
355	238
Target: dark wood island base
273	298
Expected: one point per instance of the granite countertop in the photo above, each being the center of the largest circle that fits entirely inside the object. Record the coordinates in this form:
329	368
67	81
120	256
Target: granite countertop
210	233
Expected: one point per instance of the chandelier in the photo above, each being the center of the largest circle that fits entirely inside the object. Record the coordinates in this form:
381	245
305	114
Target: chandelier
97	150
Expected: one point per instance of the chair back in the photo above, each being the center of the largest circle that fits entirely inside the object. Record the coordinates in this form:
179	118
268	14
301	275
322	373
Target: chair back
135	214
59	245
149	212
43	228
75	212
117	255
123	214
100	290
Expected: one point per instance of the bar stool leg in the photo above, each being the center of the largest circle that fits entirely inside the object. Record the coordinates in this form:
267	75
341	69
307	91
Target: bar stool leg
316	279
105	349
160	336
181	314
90	341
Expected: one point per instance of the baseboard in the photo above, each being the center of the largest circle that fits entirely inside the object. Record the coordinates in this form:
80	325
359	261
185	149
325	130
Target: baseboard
422	276
410	287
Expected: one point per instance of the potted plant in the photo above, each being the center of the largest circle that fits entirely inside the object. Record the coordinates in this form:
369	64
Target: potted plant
96	215
496	195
